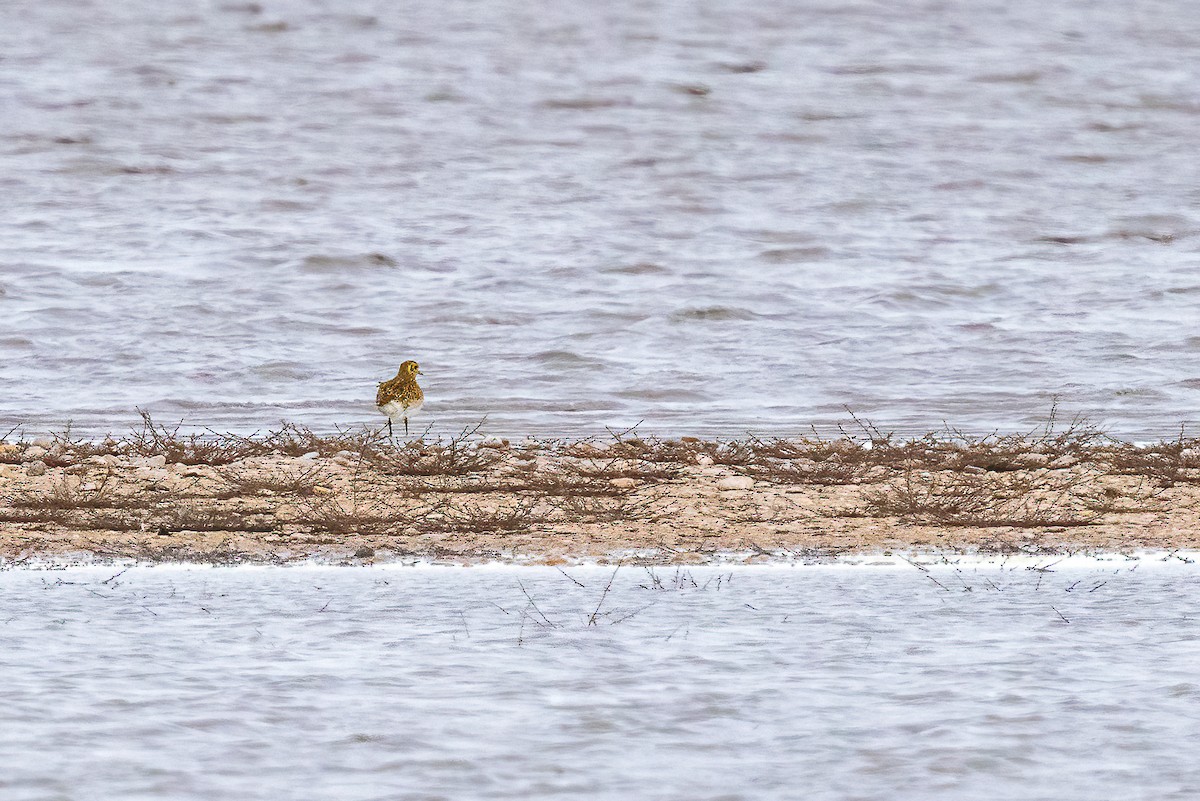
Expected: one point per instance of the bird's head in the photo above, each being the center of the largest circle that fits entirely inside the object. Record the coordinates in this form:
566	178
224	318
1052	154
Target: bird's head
410	368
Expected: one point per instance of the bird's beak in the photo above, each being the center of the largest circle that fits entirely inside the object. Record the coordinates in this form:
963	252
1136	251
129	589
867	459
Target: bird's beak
420	373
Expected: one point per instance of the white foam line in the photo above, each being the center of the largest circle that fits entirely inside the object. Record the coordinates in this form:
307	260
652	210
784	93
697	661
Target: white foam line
889	560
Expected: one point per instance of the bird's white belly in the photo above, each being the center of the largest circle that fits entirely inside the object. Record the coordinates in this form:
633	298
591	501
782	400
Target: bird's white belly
395	409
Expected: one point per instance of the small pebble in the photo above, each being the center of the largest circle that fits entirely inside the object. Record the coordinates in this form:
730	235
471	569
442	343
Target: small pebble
308	457
624	483
42	442
364	552
735	483
35	452
704	460
1032	460
157	461
35	468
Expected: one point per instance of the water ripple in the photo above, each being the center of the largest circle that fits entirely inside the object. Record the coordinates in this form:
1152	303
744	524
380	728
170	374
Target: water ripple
962	234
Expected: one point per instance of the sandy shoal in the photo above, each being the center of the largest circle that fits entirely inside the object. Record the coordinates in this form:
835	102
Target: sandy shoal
532	506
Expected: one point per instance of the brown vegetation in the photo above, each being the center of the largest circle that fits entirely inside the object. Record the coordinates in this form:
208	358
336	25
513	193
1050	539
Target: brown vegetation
290	493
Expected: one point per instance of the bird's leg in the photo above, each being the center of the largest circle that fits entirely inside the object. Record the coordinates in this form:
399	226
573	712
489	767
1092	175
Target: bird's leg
406	425
390	435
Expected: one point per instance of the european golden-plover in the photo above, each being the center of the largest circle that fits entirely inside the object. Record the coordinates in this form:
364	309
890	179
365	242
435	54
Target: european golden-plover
401	397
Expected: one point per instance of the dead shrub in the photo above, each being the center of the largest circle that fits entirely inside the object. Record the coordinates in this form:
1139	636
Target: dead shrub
69	494
809	461
609	509
630	445
196	517
828	472
669	451
1165	463
609	469
155	550
554	483
221	555
215	449
458	457
1051	444
351	515
66	448
34	515
512	517
111	520
461	485
239	482
295	440
1019	500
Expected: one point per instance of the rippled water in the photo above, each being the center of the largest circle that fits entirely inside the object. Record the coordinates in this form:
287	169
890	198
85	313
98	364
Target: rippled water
750	683
710	216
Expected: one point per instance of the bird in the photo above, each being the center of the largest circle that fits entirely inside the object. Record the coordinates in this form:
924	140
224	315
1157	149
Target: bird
400	396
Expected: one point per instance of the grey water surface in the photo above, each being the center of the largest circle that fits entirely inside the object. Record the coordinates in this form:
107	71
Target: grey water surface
347	684
712	216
